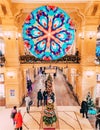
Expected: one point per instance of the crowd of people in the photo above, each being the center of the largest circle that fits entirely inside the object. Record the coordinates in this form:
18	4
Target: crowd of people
17	118
43	97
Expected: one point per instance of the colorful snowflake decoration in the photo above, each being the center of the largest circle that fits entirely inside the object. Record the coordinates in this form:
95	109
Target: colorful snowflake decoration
98	47
48	33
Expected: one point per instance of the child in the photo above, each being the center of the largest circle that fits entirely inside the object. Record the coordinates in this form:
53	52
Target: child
13	113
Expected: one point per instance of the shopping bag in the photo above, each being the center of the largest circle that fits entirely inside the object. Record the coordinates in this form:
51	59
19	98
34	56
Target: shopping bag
30	103
81	110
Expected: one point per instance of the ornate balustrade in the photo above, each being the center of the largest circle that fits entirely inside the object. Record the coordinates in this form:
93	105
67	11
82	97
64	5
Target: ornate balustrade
2	60
29	59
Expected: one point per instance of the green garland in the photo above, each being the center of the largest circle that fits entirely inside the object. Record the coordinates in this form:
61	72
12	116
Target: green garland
49	120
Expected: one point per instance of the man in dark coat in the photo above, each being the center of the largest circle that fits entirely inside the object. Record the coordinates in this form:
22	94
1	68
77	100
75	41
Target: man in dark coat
39	98
84	107
54	75
45	95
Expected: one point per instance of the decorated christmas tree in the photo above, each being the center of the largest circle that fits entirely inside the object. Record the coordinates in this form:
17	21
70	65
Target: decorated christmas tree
90	101
49	83
49	78
49	113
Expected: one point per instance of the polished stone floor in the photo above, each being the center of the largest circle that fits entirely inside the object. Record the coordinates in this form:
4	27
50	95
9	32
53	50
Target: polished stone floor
69	118
66	107
63	94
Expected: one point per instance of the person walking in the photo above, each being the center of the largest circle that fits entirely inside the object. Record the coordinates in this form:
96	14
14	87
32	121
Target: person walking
27	100
29	85
97	123
13	113
39	98
18	121
54	75
84	108
52	95
45	95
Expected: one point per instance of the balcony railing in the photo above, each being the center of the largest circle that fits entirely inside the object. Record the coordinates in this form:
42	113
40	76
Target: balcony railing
2	60
29	59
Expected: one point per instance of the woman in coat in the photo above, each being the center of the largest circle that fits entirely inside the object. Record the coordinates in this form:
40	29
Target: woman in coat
18	121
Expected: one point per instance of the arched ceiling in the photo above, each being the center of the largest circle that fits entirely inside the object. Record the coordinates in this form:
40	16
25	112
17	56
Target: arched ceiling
88	10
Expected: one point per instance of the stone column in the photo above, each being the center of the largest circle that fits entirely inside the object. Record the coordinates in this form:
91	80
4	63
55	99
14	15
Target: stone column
13	75
88	50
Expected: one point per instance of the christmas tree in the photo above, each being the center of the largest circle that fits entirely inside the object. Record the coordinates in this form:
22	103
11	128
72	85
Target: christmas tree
90	101
49	113
49	78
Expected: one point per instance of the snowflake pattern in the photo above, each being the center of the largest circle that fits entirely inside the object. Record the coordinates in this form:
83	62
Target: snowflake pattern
48	33
98	47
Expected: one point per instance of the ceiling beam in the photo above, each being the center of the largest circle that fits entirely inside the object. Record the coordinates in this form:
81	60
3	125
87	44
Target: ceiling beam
8	5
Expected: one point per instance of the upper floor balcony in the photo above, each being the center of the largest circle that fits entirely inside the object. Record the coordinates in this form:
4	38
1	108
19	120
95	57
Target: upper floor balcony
29	59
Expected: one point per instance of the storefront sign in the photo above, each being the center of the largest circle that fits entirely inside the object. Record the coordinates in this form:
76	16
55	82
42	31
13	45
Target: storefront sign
12	92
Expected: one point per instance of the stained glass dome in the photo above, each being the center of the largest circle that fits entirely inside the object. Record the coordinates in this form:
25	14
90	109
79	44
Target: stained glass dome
48	33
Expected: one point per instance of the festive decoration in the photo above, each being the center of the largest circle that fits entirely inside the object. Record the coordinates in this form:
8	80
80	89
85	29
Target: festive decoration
98	50
50	116
92	111
49	78
48	33
91	106
98	42
29	59
90	101
49	113
49	83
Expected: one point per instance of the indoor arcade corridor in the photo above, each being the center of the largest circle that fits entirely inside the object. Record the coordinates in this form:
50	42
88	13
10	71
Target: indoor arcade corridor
63	95
52	45
67	109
